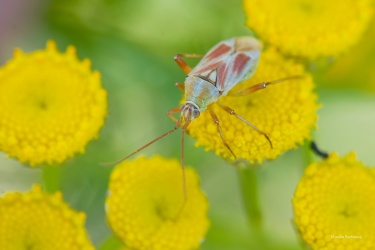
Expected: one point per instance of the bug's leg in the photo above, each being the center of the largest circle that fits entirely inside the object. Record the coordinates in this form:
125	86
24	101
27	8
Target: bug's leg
232	112
217	122
173	111
182	64
260	86
180	86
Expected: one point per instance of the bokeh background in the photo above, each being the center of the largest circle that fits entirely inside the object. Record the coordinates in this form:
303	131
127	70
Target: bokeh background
132	44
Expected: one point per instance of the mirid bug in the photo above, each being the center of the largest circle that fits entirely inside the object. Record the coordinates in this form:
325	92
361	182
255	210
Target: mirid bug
223	67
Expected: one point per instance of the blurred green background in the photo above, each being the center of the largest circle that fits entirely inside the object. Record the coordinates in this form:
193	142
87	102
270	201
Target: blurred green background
132	44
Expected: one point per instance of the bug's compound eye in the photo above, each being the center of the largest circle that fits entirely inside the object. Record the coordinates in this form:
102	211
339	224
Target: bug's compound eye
196	113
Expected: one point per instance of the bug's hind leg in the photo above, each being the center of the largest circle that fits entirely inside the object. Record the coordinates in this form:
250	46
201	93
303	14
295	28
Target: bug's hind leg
182	64
232	112
260	86
217	122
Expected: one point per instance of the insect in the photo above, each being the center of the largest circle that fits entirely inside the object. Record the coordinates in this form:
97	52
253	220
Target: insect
223	67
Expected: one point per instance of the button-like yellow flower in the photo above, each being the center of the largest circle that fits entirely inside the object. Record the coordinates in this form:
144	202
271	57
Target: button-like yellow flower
334	204
307	28
51	105
35	220
146	208
286	112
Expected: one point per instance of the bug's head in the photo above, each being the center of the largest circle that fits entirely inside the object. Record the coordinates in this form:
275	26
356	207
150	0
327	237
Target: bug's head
189	111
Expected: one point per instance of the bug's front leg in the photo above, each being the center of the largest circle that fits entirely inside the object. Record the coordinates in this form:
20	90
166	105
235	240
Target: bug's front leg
232	112
217	122
182	64
260	86
173	111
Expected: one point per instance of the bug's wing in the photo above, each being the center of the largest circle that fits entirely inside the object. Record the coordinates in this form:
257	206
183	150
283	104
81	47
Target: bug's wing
239	66
229	62
214	58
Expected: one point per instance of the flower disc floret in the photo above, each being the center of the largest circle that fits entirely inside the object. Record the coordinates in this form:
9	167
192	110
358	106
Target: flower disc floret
51	105
35	220
334	204
309	29
146	207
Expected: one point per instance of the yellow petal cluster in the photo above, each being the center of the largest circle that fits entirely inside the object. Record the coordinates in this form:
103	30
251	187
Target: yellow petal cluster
334	204
146	207
309	29
35	220
286	112
51	105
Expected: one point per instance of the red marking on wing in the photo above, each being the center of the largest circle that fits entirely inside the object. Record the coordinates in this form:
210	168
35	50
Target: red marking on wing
220	50
232	71
222	72
239	63
208	67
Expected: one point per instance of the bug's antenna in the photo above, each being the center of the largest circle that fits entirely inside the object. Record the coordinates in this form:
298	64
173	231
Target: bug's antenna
183	129
178	123
183	158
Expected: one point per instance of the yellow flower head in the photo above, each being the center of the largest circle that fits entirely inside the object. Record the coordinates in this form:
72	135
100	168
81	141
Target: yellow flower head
146	209
51	105
307	28
286	112
35	220
334	204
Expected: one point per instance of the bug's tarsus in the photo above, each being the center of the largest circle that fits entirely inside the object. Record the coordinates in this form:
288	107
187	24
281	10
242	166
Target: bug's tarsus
268	139
182	64
217	122
261	86
317	151
232	112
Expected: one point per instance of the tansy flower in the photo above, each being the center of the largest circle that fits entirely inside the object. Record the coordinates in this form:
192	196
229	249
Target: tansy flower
146	207
51	105
35	220
309	28
285	112
334	204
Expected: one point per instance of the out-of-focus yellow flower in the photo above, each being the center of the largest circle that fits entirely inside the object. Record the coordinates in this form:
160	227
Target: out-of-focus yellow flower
35	220
146	208
286	112
309	29
334	204
51	105
355	70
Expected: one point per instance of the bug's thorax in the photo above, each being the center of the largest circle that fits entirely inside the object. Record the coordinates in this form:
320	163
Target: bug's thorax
202	92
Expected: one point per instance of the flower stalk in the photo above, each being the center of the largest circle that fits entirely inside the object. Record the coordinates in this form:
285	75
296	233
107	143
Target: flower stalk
51	176
249	188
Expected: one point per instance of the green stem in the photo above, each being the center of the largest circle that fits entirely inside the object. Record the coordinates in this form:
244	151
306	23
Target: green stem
111	243
249	187
51	178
